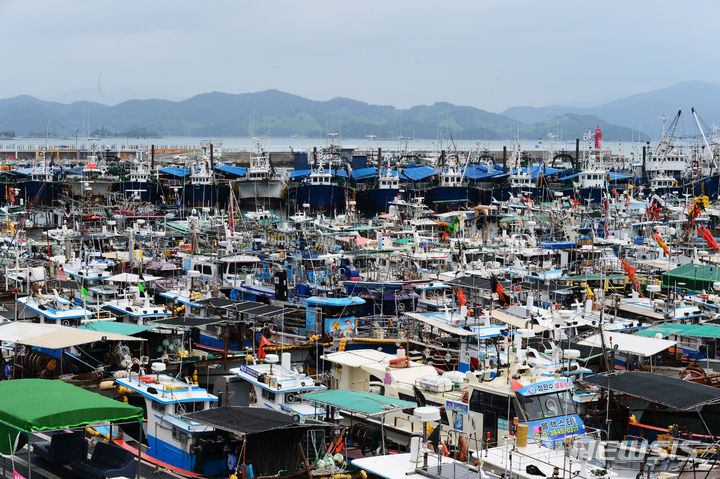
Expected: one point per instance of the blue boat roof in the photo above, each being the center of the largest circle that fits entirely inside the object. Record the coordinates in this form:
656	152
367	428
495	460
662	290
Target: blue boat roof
232	170
346	301
365	173
615	176
478	172
557	244
175	171
418	173
546	171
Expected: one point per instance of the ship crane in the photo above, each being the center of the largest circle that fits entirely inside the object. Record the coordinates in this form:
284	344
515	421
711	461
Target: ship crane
702	133
668	136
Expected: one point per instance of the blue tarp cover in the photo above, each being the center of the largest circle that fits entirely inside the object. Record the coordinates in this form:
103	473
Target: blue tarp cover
175	171
546	170
418	173
232	170
478	172
615	176
365	173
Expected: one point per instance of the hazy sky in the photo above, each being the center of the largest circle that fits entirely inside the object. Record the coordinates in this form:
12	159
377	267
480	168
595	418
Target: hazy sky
484	53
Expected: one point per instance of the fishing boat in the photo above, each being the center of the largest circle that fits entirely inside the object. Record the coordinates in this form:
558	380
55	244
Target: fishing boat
261	186
189	447
278	387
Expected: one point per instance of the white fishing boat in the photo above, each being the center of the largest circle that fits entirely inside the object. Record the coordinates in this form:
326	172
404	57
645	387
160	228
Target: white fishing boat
278	387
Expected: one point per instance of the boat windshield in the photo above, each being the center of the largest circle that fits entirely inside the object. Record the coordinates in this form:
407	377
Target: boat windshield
547	405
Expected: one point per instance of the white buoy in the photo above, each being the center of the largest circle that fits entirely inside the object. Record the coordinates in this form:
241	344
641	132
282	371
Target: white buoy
272	358
426	414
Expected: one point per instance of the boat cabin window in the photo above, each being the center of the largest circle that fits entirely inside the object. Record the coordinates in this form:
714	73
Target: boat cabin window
240	268
188	407
547	405
158	406
481	401
269	395
341	311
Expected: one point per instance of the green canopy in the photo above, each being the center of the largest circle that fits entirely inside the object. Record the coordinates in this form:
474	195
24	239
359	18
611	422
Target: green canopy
128	329
695	277
692	330
28	405
358	402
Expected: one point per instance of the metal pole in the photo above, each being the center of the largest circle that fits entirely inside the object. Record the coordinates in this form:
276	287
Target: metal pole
140	435
29	455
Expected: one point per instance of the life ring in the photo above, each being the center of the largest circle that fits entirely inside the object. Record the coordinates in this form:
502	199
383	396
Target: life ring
401	307
444	449
462	449
400	362
146	379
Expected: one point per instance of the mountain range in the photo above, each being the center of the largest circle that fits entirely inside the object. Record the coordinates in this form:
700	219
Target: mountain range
283	114
643	111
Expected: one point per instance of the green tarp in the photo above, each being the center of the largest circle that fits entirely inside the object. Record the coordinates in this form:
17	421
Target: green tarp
695	277
28	405
359	402
692	330
128	329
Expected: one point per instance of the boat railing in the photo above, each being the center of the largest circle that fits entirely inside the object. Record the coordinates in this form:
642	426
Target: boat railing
378	327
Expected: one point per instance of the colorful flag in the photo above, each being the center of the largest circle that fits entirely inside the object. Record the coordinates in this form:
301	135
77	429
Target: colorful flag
661	243
461	297
141	287
496	287
631	272
83	291
708	237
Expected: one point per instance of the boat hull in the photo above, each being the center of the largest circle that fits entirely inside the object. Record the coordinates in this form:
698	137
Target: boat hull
447	198
259	189
42	192
320	197
371	202
206	196
147	191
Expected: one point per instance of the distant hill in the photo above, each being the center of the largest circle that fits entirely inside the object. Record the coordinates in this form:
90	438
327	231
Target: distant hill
282	114
642	111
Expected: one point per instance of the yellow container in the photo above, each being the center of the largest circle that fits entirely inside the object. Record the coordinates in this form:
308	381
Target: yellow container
522	435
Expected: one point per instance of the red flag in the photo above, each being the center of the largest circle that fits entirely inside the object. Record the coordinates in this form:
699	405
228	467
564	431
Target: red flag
461	298
263	342
708	237
496	287
631	272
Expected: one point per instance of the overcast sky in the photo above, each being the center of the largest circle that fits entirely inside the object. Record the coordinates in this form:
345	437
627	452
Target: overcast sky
484	53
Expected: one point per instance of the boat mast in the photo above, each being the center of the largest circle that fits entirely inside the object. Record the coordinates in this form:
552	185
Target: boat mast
702	133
